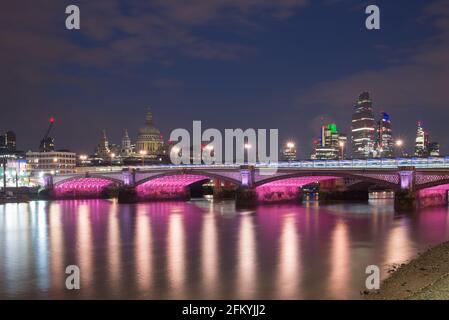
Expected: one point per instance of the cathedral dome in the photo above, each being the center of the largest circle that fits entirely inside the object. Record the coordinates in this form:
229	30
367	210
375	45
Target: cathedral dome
149	139
149	128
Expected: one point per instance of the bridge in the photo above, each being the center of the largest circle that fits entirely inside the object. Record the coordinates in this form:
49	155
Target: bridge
417	183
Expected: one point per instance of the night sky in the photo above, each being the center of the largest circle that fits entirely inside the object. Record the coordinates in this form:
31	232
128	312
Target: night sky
287	64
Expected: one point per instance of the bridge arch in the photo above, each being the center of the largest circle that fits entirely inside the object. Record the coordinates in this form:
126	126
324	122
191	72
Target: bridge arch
89	186
438	184
87	177
328	175
174	185
196	175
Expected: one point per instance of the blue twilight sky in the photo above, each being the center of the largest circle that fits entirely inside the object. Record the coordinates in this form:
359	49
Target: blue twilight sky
287	64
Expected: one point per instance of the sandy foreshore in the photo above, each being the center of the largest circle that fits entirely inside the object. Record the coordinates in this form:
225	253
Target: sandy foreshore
425	277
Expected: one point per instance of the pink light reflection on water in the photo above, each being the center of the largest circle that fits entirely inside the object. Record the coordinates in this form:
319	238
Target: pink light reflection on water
204	249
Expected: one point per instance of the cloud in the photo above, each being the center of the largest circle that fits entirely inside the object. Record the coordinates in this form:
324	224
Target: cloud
130	30
167	83
196	12
416	81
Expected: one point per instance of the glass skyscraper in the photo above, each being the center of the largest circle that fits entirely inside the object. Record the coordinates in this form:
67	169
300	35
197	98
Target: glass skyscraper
385	144
331	144
421	142
363	128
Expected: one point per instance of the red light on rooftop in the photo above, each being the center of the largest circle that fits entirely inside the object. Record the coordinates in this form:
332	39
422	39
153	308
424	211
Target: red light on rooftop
52	120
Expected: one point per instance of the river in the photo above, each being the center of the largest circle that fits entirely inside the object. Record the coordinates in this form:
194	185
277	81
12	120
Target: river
205	250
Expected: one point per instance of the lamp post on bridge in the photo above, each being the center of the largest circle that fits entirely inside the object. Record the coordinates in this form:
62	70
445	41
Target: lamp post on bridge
246	155
143	153
342	149
399	144
112	159
4	174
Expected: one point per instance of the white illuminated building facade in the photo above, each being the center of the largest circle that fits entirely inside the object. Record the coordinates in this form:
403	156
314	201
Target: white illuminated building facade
421	142
363	128
55	162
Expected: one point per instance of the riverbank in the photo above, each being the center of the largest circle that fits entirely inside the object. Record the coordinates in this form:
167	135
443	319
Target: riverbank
19	195
425	277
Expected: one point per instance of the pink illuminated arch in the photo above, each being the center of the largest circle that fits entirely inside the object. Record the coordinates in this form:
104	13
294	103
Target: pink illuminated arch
168	187
286	189
83	187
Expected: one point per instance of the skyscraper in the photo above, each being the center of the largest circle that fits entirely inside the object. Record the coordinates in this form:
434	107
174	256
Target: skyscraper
363	128
384	143
421	142
330	145
434	149
3	143
11	141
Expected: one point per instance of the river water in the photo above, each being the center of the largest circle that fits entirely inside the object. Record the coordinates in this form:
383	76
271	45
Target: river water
205	250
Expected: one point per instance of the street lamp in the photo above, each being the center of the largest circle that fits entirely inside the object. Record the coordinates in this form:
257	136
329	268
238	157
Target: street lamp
143	153
342	148
82	158
399	143
4	173
247	148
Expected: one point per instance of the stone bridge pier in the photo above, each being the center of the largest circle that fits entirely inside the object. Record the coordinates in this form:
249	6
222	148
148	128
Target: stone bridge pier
128	193
412	196
405	197
246	195
259	188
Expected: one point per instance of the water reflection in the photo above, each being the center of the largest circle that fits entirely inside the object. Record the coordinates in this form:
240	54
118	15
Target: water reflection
209	256
289	273
57	248
143	250
340	261
84	244
246	280
205	250
176	264
114	250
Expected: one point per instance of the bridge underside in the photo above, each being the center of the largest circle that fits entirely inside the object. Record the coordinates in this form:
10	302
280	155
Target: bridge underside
84	188
433	196
287	189
174	187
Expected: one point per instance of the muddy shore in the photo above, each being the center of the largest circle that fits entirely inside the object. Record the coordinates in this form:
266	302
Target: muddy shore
425	277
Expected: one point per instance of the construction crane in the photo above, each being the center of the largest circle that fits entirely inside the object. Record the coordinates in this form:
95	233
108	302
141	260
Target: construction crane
47	142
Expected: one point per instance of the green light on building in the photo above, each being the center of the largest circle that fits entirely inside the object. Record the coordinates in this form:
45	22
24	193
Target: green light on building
332	127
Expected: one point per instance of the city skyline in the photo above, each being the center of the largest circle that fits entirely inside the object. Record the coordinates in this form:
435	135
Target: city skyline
408	143
227	73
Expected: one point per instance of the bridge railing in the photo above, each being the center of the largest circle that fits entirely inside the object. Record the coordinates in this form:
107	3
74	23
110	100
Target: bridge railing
436	162
440	162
